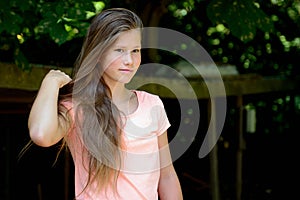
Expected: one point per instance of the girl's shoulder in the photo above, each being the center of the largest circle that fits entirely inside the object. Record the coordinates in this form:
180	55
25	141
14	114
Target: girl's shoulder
66	107
148	98
67	103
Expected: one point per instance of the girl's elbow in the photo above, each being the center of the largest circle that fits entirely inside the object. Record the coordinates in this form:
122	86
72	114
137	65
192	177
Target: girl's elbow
40	137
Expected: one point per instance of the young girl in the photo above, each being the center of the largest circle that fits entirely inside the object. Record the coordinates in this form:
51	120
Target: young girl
117	137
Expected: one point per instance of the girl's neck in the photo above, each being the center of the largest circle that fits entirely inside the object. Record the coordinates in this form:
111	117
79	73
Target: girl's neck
124	99
120	93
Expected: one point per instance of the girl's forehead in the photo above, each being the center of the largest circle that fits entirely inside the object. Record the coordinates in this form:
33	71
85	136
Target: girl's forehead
129	38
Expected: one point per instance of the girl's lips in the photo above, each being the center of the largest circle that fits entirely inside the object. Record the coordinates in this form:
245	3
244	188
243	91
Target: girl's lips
125	70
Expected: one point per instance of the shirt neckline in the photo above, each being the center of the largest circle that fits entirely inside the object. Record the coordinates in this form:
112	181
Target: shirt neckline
138	106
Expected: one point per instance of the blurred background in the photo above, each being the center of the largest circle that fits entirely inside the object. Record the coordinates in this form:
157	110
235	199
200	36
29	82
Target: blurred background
255	45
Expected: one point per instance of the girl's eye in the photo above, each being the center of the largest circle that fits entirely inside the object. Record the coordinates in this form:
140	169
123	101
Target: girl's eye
119	50
136	51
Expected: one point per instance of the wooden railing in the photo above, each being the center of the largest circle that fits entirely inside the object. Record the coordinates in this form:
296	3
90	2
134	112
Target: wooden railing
20	87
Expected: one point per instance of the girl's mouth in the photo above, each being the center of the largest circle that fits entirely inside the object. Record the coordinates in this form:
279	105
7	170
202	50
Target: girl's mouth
125	70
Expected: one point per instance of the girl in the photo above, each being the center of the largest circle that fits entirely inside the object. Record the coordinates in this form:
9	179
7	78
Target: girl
117	137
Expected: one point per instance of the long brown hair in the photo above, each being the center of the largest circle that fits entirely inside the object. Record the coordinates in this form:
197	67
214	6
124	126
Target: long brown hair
97	119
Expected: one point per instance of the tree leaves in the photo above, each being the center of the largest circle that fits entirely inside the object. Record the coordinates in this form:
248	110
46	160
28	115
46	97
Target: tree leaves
243	17
64	20
60	20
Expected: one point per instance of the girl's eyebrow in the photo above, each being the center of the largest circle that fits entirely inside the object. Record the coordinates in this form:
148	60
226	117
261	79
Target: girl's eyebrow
124	47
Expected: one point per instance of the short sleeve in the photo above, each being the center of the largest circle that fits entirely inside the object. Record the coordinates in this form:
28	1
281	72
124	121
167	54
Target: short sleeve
69	109
163	121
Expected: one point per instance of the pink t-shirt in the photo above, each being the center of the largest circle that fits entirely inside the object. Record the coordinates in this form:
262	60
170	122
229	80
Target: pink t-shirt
139	175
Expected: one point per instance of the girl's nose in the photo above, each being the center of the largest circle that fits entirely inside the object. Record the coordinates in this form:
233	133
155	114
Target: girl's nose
128	59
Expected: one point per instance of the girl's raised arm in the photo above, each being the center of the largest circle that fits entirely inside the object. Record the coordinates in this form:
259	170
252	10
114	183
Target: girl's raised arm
46	127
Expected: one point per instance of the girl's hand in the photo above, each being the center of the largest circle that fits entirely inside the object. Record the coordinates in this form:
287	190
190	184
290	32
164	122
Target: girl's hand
57	76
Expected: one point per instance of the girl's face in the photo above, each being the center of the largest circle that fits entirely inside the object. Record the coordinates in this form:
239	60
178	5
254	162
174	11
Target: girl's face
123	58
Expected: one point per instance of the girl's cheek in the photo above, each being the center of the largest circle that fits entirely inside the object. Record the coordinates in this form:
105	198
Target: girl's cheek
137	58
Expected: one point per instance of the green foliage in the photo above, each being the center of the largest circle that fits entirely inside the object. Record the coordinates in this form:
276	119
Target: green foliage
60	20
243	17
64	20
256	36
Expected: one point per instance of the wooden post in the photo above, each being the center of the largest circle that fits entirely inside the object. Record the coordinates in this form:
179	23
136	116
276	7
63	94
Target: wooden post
240	148
213	155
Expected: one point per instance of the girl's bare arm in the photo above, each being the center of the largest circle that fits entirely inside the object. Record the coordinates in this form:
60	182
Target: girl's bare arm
46	128
169	186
